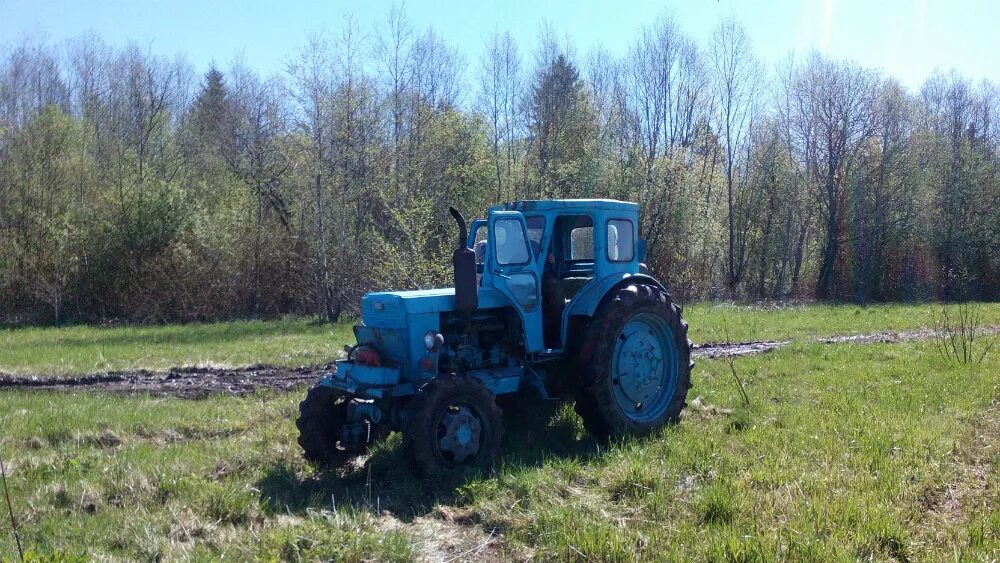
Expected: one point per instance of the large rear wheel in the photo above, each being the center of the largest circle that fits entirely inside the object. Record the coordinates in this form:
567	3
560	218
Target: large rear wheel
636	361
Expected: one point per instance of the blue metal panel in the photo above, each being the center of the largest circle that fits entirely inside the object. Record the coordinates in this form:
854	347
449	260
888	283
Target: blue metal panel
398	303
392	343
500	277
590	296
342	382
499	381
561	205
365	375
383	310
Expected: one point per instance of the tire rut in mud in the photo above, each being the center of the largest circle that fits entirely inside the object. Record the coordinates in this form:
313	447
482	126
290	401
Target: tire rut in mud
725	349
187	382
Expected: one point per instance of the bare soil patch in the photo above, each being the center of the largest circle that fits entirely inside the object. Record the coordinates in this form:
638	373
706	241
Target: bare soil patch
187	382
724	349
894	337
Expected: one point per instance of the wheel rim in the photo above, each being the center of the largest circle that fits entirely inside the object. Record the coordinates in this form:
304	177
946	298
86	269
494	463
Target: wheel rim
644	368
459	433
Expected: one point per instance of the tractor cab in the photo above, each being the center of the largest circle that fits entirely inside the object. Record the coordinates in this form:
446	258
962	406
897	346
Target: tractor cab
544	255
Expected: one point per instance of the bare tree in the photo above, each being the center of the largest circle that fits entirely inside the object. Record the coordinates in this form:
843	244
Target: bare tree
312	76
500	87
254	153
392	50
666	98
833	109
737	79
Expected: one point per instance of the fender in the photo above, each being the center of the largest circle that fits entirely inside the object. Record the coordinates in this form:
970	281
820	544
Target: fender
592	294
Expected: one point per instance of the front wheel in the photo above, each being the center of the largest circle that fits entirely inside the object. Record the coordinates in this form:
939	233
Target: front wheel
636	361
454	422
322	414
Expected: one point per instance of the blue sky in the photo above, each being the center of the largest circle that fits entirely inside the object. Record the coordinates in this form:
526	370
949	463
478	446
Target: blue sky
908	39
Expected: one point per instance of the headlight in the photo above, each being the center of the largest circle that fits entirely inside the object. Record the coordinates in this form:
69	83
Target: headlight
430	340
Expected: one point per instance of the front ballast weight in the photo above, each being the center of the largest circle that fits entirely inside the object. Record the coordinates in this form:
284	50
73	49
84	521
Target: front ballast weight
548	295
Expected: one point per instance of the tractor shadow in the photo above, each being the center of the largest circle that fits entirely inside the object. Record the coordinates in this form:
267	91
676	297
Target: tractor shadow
536	432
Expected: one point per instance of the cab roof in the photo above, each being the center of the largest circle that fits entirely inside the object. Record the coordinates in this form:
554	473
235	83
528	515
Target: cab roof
567	205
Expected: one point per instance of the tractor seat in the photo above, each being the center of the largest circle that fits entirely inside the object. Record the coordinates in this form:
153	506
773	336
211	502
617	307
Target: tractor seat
570	286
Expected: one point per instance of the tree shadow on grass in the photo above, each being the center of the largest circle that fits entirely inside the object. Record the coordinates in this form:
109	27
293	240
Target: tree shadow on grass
535	432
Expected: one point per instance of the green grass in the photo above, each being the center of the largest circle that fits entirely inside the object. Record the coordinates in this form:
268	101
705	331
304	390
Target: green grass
711	321
88	349
846	452
146	478
837	458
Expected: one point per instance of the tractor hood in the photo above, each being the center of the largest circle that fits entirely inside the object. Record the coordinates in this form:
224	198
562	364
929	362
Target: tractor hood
389	309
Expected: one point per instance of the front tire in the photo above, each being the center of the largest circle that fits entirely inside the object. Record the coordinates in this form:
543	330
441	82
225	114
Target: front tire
636	361
455	422
321	416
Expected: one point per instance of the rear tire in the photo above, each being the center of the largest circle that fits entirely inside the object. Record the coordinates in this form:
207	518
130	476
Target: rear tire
636	361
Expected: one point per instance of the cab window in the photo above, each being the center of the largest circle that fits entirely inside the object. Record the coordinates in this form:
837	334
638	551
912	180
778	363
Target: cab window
536	228
510	243
620	240
581	246
480	245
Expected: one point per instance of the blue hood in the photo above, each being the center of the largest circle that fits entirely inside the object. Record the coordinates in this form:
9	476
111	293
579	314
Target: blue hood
388	309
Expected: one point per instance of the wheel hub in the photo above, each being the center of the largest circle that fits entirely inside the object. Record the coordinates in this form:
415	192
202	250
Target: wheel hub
642	376
458	433
639	365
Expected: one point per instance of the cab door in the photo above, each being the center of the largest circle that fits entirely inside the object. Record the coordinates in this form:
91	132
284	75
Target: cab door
515	272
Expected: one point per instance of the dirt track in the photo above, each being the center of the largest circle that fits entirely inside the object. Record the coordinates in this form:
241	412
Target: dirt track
199	382
723	349
188	382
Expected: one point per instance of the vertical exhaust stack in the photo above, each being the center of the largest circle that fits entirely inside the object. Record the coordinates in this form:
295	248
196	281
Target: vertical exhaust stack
464	262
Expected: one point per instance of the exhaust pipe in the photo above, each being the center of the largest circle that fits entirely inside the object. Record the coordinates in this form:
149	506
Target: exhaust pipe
464	262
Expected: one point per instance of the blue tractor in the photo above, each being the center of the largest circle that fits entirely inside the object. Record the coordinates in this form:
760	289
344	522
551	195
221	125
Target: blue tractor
550	296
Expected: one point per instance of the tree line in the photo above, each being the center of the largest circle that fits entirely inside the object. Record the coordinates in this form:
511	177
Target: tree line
131	188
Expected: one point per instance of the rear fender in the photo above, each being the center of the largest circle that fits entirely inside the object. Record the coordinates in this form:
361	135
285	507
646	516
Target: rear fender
587	301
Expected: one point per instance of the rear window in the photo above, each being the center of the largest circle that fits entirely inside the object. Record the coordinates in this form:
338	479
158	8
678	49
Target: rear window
581	246
621	245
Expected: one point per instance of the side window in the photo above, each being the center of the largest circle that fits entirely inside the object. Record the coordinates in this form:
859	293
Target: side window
620	240
510	243
524	288
480	245
536	228
581	243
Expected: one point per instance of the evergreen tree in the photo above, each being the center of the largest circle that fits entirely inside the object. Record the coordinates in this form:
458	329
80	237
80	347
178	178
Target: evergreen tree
210	111
563	126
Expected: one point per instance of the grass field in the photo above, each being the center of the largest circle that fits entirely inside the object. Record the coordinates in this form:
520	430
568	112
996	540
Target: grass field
875	452
711	321
85	349
78	350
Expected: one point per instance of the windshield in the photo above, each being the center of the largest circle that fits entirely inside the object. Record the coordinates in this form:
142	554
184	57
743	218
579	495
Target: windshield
536	229
511	245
